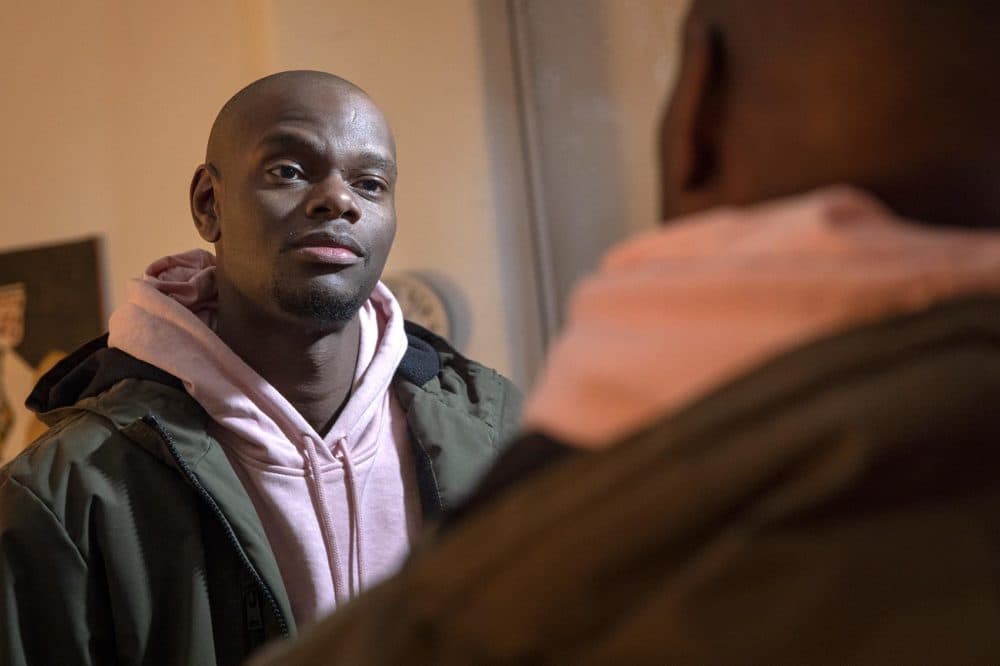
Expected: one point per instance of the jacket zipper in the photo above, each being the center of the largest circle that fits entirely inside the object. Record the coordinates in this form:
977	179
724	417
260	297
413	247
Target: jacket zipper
217	512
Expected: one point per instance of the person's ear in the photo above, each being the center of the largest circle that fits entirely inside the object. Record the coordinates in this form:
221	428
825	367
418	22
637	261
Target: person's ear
691	133
204	205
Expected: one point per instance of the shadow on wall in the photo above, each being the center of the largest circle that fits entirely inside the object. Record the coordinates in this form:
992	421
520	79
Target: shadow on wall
588	81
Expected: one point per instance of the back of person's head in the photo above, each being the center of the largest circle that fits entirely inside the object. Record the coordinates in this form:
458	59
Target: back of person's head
895	96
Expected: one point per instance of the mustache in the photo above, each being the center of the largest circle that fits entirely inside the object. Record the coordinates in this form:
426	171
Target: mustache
323	238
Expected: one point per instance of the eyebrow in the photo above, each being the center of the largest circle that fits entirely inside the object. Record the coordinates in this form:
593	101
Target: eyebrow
290	140
373	160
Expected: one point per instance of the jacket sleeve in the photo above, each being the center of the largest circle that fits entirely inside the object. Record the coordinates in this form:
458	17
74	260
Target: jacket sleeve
44	595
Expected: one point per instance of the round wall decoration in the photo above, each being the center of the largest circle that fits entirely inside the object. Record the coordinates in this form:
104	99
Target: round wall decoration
421	302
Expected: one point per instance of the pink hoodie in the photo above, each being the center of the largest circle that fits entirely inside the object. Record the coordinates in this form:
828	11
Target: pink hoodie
339	511
679	311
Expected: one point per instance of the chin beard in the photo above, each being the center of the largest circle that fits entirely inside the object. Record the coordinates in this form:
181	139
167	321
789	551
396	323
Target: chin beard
319	305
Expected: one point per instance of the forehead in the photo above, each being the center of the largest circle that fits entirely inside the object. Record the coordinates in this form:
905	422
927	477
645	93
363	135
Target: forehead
336	117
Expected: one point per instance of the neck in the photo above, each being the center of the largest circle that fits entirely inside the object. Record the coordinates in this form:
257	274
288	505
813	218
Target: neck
313	370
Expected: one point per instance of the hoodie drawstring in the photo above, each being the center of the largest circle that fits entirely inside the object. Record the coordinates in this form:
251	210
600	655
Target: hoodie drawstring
326	520
353	501
356	582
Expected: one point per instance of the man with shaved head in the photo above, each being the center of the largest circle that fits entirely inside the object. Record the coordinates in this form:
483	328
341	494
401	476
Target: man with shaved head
767	433
260	435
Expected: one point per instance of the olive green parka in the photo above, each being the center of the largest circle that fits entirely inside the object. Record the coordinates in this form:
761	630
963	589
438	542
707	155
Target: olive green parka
126	537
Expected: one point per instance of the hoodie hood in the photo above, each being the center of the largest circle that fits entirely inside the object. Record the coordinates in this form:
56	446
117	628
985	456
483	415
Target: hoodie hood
167	322
679	311
94	367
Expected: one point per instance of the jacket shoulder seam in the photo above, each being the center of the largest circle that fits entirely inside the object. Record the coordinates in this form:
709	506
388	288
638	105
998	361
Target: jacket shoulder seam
436	397
47	510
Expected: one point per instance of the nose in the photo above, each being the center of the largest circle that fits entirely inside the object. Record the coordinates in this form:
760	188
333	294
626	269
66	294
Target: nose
333	199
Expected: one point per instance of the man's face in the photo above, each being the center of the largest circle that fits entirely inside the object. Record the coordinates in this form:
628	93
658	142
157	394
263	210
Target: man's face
306	209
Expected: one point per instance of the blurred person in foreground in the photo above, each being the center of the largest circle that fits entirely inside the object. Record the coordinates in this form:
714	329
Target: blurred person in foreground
768	432
260	435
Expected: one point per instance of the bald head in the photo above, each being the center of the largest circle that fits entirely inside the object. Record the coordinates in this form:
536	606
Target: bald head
892	95
243	112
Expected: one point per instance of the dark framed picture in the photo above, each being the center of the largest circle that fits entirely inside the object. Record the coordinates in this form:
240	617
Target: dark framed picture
51	301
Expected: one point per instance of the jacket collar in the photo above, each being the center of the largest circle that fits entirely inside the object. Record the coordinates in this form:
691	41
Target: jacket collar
95	368
129	392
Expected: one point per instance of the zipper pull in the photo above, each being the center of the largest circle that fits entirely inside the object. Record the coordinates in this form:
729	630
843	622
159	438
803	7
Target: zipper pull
253	617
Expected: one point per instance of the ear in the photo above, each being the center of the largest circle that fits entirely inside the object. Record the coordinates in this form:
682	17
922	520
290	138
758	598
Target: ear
204	205
691	133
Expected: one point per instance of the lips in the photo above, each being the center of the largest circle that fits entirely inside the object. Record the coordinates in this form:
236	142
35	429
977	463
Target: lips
327	247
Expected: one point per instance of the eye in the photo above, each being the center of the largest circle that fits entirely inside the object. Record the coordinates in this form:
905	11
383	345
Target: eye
371	185
286	172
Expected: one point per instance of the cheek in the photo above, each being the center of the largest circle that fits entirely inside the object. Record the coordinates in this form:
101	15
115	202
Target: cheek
390	233
386	236
380	243
273	206
257	220
380	223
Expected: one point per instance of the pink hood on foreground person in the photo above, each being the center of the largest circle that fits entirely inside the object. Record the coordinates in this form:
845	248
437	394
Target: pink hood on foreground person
310	491
679	311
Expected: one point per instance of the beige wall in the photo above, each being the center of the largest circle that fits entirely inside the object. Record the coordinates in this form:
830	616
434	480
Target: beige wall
642	52
105	114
